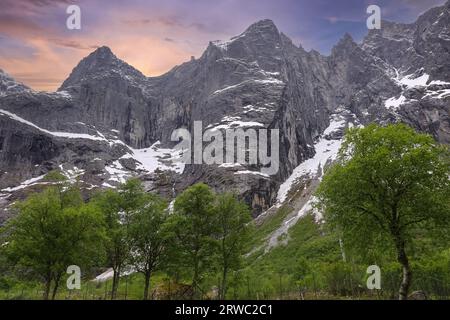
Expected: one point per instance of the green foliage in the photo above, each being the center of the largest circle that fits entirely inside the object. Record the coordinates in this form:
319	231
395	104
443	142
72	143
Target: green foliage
233	218
52	231
117	207
191	228
384	171
389	187
146	237
55	176
210	240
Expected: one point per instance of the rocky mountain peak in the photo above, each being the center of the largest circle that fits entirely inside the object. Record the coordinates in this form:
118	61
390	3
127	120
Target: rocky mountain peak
102	54
434	21
260	42
345	45
346	40
101	63
393	30
9	85
265	26
100	58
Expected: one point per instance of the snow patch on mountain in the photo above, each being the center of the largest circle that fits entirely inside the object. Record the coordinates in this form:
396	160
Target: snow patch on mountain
435	89
156	158
326	150
230	165
252	172
266	81
411	82
71	174
53	133
237	124
394	103
24	184
290	221
117	172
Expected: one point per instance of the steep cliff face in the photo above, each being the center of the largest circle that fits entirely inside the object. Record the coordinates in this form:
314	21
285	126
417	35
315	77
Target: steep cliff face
416	58
407	47
107	121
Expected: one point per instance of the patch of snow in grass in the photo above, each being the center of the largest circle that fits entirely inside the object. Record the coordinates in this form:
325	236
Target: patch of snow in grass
291	221
108	274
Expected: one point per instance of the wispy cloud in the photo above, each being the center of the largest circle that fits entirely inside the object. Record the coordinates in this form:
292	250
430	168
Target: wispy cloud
154	36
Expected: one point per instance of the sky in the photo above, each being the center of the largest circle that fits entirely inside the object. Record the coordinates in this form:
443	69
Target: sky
37	48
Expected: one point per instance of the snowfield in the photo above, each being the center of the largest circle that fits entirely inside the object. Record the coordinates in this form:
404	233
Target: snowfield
52	133
326	150
24	184
409	82
148	159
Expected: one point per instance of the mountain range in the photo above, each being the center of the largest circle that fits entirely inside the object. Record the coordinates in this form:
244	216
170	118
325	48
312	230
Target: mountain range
108	121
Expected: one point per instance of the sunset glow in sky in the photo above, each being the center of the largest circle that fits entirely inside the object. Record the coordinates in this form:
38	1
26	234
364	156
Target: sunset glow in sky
37	49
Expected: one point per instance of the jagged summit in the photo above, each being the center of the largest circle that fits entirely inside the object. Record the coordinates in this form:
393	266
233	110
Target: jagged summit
9	85
101	63
265	26
347	38
102	56
344	45
260	42
103	51
260	31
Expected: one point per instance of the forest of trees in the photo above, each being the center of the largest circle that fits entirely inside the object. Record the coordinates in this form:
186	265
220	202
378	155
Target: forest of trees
385	201
126	228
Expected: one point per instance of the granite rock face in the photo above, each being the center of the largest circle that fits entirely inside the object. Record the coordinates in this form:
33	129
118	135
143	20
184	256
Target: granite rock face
108	121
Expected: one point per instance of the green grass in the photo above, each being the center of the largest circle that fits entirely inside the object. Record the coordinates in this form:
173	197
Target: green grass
261	232
130	287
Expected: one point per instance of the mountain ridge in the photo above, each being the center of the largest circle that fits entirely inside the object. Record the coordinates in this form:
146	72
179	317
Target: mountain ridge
110	111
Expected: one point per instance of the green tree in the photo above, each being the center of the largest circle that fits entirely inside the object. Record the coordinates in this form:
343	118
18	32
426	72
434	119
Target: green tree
388	185
147	238
53	230
118	207
116	247
233	217
191	228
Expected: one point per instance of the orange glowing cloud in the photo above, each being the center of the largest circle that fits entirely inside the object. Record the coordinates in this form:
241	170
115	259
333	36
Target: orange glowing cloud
153	44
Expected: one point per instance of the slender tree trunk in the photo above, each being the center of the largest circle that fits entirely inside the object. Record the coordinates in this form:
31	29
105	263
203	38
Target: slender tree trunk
223	289
48	283
147	284
55	288
195	279
115	284
406	270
